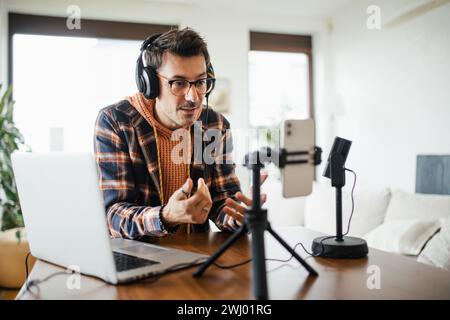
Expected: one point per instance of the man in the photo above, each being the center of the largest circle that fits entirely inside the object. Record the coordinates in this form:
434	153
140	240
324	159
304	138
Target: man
147	191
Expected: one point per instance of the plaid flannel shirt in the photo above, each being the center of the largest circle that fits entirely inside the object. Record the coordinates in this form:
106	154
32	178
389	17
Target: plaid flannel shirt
126	154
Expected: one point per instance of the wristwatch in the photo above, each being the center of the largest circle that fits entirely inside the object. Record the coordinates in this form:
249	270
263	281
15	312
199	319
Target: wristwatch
161	223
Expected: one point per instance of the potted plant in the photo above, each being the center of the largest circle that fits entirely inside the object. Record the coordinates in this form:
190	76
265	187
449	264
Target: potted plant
13	243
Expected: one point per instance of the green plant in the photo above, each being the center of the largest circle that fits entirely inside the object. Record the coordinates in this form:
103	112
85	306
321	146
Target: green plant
270	137
10	140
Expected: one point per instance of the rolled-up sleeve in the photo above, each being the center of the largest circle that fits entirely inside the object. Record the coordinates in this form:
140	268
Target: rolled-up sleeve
125	219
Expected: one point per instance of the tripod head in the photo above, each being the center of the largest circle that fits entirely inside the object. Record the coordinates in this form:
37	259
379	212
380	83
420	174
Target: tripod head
281	157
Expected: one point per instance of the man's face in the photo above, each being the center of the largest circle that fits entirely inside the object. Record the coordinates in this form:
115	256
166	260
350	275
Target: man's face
179	111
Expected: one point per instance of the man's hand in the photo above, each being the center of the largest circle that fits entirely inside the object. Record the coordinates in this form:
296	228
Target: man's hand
237	210
184	209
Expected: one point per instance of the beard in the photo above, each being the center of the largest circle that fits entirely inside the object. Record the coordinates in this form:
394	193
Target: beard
188	113
189	105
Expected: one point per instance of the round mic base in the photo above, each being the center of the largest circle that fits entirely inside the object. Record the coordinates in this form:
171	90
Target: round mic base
347	248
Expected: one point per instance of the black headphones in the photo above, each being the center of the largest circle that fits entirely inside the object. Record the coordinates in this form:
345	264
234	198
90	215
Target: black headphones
148	83
146	79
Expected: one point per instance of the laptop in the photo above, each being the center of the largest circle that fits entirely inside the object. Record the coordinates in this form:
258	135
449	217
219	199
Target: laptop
65	220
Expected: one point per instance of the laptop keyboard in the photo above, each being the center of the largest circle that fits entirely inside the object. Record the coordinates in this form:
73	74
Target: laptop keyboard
126	262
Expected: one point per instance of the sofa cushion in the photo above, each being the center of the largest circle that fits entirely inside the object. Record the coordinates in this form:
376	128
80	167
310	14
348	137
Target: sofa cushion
437	250
406	237
405	205
370	208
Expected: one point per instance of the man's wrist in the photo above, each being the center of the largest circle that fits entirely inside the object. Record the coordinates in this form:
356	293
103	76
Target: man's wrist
165	224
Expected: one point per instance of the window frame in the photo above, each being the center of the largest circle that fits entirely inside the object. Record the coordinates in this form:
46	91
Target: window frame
56	26
277	42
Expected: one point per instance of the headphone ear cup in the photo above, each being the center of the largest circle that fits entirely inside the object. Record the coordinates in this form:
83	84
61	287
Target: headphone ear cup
146	78
210	70
210	74
151	83
140	83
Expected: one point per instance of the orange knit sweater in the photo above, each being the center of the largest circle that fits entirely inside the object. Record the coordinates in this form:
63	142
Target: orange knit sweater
173	174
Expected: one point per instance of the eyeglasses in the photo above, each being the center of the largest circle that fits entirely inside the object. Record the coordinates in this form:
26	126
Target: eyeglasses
180	87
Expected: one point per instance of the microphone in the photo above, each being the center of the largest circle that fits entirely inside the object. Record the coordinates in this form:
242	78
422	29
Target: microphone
339	246
340	147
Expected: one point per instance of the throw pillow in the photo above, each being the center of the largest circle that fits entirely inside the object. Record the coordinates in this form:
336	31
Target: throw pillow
405	205
406	237
437	250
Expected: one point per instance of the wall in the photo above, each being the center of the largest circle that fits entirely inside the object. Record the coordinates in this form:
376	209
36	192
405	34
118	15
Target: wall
226	31
384	89
391	89
3	42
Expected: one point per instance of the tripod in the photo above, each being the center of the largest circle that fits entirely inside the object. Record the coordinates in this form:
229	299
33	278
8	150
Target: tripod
255	221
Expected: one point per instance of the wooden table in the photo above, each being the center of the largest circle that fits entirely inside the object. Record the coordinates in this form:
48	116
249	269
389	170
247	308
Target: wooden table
400	277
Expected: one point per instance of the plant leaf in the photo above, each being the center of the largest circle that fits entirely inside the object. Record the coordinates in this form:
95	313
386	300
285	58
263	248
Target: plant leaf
10	140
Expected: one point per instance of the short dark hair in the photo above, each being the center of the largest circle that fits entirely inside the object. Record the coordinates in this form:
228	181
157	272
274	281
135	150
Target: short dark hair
185	42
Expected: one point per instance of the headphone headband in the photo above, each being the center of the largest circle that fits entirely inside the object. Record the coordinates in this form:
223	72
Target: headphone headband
149	40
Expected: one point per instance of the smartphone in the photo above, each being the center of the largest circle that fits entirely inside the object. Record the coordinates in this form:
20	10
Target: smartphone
297	179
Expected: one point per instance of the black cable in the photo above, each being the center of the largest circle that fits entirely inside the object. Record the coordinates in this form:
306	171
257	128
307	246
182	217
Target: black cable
231	266
156	276
180	266
353	202
323	247
26	268
207	111
349	220
299	243
267	259
289	259
36	282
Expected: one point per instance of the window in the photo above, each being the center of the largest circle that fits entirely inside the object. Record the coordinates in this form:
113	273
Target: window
280	85
280	75
59	90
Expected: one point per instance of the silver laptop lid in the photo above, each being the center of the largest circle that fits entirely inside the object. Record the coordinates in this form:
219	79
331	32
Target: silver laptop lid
63	211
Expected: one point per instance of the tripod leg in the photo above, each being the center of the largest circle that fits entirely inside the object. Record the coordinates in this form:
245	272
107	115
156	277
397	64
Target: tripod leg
291	251
219	251
259	263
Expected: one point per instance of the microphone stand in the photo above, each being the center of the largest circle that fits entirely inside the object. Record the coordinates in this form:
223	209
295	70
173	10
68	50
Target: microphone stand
255	221
339	247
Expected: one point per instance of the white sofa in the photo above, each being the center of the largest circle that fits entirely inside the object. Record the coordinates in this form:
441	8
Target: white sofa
414	225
